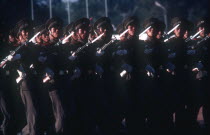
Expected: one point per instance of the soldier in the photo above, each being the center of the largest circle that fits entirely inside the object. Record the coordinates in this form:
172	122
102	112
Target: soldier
101	62
24	81
76	64
152	71
176	68
6	94
48	56
123	66
203	45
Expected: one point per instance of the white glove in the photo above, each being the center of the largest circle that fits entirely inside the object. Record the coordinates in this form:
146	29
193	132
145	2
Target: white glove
127	67
123	73
10	57
150	69
49	74
42	59
198	67
22	75
170	67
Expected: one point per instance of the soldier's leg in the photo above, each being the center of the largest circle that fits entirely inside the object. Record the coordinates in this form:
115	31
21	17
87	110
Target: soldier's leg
57	111
31	116
5	112
206	109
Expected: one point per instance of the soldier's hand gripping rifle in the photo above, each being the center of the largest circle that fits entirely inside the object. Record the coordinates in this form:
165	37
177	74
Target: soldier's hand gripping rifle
145	31
193	36
10	56
64	40
100	51
199	42
74	54
168	33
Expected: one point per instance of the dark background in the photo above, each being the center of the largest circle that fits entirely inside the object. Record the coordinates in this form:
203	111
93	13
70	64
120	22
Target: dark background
12	11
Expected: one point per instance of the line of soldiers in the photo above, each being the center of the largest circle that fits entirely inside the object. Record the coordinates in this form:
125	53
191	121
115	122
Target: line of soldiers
82	80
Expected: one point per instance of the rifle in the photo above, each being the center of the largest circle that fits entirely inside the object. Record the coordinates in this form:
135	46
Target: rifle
193	36
86	45
199	42
64	40
110	42
6	59
168	33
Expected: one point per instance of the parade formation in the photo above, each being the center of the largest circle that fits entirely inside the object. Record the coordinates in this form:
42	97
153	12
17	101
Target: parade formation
88	79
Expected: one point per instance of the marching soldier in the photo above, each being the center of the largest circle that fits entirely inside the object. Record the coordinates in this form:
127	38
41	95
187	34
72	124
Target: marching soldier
123	65
176	68
24	81
6	92
100	52
203	45
74	63
152	71
49	58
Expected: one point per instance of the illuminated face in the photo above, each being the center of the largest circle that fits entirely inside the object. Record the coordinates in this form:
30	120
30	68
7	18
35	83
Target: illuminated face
107	30
45	37
186	34
159	35
24	34
131	30
179	32
11	39
54	32
82	34
152	32
38	39
202	34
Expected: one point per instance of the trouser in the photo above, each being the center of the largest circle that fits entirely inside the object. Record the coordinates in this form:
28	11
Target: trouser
5	113
58	111
57	107
152	110
206	109
31	114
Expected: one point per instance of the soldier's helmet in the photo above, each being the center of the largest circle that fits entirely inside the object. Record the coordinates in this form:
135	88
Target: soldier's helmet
23	24
120	29
41	28
82	23
68	28
55	22
179	20
103	22
204	22
132	20
153	22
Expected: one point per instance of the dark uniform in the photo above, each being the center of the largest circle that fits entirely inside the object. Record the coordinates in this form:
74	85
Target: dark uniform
177	72
152	72
124	62
23	59
6	99
101	66
75	69
50	80
202	50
